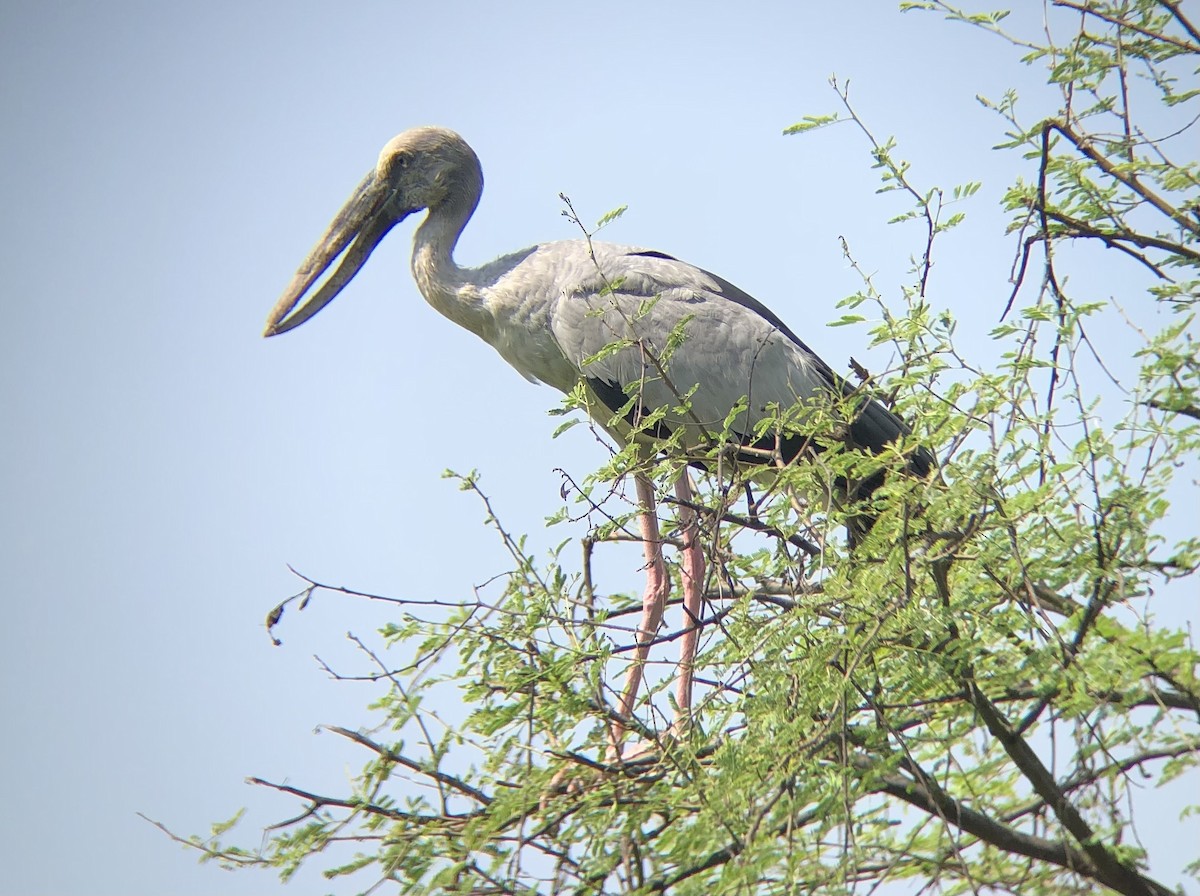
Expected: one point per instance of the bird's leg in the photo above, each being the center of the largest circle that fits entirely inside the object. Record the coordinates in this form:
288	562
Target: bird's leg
654	600
692	568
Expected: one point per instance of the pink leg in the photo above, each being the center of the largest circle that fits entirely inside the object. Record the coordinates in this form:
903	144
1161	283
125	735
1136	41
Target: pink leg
692	562
654	600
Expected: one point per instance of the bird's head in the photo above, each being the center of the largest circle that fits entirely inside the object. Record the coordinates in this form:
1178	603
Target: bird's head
423	168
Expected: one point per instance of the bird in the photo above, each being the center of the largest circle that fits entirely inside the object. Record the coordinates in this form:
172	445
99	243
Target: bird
661	348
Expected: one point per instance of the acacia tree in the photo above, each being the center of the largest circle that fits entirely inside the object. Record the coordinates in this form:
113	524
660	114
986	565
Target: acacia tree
967	698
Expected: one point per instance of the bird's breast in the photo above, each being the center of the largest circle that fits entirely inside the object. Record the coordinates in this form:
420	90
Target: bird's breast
523	335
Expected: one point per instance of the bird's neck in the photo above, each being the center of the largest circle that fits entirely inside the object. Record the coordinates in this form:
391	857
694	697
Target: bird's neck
446	286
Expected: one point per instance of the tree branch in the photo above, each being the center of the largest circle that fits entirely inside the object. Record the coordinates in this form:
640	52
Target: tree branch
1109	870
1090	10
399	759
1102	162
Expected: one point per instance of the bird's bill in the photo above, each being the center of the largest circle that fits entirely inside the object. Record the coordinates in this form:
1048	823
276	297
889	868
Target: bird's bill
356	230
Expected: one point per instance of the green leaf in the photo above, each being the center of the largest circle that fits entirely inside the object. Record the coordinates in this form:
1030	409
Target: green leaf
610	216
811	123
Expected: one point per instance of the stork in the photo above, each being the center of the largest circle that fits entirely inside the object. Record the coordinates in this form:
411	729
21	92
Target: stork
607	317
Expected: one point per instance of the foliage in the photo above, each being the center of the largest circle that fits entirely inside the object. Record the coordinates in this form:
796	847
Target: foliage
967	699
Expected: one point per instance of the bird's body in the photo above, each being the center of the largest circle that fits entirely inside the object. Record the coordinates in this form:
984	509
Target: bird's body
551	311
628	323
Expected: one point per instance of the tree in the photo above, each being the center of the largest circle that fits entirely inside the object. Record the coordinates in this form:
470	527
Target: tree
962	700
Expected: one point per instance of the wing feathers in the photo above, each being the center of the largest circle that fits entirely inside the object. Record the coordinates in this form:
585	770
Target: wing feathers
627	331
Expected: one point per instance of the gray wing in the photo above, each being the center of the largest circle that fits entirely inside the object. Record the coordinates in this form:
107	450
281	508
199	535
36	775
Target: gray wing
733	346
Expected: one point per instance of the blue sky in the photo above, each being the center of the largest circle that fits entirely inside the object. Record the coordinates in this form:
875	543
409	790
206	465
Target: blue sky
167	166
